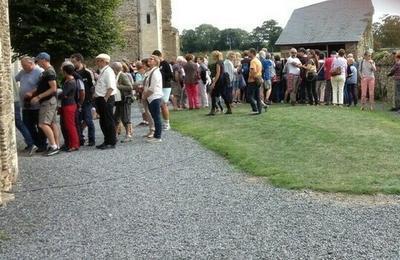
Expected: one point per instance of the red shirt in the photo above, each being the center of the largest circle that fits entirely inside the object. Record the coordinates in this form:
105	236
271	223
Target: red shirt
328	67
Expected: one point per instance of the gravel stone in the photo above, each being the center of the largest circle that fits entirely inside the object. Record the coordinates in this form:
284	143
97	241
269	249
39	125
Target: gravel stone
178	200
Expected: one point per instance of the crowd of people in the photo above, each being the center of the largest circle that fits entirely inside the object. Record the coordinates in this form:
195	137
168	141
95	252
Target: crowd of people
107	92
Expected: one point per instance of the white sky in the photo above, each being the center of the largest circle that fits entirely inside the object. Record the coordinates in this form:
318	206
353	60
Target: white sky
188	14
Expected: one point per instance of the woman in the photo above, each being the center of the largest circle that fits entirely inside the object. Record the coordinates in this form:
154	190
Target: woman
153	93
68	108
147	116
191	81
204	81
367	73
338	73
123	105
321	82
311	82
218	84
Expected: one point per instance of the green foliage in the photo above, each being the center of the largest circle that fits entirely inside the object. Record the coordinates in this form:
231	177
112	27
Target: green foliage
305	147
64	27
206	38
386	34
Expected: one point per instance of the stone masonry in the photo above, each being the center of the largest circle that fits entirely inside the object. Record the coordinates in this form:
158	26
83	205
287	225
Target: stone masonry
8	150
147	26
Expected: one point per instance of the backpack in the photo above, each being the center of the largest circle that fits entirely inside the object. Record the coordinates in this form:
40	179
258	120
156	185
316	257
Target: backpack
246	69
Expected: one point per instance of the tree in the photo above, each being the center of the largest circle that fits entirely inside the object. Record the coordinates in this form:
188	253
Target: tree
63	27
189	41
386	34
266	35
232	39
207	37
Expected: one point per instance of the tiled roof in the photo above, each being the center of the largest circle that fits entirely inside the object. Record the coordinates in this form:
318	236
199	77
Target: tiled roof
332	21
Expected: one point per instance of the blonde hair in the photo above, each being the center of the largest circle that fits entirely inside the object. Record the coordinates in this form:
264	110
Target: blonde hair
217	55
231	55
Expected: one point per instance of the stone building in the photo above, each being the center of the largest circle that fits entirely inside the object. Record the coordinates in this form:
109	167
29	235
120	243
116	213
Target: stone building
147	27
330	25
8	150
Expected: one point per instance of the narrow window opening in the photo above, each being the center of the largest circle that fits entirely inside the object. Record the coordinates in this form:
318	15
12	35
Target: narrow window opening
148	19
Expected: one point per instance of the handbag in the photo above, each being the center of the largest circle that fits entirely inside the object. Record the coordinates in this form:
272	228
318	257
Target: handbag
259	81
336	71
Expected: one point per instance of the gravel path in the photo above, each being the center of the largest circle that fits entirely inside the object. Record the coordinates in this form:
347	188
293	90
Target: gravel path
178	200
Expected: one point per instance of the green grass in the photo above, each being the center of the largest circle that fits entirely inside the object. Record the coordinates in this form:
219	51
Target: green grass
305	147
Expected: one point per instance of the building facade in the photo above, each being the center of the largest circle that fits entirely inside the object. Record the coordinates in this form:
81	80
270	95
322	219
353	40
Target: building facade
147	27
8	150
330	25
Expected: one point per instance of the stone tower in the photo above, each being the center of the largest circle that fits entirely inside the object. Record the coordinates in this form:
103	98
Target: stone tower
8	150
146	27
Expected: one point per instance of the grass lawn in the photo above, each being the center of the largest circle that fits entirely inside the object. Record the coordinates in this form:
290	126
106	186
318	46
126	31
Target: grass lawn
305	147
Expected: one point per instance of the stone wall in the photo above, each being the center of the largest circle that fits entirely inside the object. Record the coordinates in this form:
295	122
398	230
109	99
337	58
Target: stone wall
127	15
142	38
8	150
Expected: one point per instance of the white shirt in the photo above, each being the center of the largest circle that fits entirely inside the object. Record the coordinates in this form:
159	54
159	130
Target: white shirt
342	63
153	82
228	66
292	69
105	81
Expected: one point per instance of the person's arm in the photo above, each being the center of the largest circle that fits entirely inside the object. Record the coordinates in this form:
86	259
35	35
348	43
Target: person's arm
124	84
217	74
393	70
111	84
49	92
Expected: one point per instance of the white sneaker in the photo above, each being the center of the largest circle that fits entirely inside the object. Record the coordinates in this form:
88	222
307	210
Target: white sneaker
166	127
154	140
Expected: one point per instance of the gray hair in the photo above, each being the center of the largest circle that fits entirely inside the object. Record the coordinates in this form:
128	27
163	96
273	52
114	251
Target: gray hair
65	63
262	54
27	59
116	66
268	55
180	59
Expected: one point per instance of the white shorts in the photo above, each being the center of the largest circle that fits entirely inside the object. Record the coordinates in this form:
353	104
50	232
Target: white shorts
166	94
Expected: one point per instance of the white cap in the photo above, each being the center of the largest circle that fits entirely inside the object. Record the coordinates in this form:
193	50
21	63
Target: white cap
104	57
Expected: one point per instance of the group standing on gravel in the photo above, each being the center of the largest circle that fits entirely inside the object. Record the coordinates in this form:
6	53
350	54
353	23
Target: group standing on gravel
305	77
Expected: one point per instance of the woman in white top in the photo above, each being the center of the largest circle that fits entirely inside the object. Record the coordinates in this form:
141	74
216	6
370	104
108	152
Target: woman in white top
339	79
153	93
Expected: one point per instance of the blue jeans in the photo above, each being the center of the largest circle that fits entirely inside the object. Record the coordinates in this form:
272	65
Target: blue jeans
155	112
253	97
31	121
21	126
86	116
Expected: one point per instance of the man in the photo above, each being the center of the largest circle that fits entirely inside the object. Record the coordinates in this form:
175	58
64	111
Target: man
105	89
328	68
302	55
254	84
167	75
28	78
86	105
19	124
293	67
46	97
268	69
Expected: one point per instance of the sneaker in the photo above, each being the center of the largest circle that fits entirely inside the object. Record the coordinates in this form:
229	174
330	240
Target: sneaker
52	151
127	138
154	140
166	127
32	150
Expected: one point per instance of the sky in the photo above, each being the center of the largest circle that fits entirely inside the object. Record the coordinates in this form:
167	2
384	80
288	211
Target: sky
188	14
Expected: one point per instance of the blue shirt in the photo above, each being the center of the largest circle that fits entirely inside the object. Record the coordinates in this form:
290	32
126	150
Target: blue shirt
352	79
28	82
266	64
